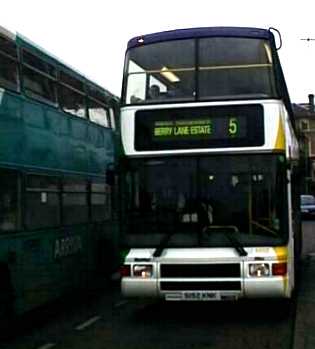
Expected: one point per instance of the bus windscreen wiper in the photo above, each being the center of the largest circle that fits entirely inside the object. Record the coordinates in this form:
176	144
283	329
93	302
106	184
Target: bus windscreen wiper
168	234
236	244
163	244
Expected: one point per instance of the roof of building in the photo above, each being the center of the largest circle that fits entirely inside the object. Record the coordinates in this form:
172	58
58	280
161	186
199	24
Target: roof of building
302	111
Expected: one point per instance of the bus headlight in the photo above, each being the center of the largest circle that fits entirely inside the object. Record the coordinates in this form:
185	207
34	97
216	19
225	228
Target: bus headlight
143	270
259	269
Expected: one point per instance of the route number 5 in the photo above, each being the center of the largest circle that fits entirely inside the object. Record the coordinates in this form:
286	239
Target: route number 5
233	126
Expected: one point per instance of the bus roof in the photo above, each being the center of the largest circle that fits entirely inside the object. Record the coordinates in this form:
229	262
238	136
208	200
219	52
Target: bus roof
44	54
199	33
51	58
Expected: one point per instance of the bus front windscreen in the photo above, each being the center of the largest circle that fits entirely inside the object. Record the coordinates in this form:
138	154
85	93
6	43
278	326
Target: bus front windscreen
198	200
219	68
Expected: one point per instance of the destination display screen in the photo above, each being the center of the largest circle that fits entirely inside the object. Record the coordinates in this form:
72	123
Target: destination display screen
207	128
202	127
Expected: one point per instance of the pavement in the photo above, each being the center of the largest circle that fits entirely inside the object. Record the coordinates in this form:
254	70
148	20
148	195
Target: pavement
304	332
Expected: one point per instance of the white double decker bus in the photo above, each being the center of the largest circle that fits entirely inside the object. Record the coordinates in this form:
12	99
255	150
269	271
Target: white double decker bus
210	169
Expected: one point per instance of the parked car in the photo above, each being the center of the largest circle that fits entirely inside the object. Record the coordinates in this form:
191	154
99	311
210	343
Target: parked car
308	206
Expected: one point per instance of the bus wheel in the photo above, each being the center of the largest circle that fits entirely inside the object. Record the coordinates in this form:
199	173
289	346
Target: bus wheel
285	307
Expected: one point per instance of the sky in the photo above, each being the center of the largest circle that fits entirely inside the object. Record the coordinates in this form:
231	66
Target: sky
91	36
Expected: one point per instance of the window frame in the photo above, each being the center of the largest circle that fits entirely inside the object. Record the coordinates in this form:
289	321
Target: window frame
64	179
19	202
15	59
112	118
66	85
32	94
107	194
27	190
275	66
23	70
303	123
106	108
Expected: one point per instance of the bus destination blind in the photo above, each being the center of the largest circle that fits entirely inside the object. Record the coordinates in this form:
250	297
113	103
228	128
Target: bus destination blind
203	128
209	127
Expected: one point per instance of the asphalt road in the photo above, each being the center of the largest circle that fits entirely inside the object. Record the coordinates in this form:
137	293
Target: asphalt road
308	237
105	320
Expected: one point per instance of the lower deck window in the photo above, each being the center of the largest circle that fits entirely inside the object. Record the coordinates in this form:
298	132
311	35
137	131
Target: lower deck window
42	210
9	208
49	202
100	207
42	202
75	208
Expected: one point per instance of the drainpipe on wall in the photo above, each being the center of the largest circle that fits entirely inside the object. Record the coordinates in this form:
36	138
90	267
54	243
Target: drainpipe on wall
311	161
311	102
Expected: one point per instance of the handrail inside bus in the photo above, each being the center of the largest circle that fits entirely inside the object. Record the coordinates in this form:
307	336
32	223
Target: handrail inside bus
236	66
263	227
215	67
232	228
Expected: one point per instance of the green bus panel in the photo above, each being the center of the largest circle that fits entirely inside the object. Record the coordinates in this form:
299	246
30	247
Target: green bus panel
33	135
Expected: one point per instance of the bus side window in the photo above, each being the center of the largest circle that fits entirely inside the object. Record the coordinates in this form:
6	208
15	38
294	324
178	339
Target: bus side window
8	64
39	78
100	202
71	95
9	207
98	113
75	201
42	204
98	106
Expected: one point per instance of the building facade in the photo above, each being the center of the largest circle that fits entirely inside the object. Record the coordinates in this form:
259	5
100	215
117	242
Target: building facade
304	114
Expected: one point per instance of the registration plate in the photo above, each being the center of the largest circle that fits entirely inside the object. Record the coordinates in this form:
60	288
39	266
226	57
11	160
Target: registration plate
201	296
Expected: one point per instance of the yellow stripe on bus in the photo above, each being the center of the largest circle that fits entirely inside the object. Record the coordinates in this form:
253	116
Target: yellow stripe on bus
282	256
281	253
280	141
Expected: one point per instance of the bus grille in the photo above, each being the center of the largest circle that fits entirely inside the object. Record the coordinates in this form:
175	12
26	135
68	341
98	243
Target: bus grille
201	286
200	270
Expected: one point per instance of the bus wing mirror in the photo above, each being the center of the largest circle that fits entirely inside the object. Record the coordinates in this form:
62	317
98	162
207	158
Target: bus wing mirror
279	41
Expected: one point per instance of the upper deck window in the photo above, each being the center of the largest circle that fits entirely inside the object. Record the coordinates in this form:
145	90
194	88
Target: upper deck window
71	81
72	95
161	71
39	78
38	64
213	68
8	64
98	113
97	93
97	106
235	68
8	47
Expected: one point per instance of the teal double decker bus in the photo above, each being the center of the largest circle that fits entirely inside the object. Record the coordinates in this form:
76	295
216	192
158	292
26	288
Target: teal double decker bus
58	213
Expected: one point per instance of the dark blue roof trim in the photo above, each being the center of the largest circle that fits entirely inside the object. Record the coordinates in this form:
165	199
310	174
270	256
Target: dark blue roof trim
199	33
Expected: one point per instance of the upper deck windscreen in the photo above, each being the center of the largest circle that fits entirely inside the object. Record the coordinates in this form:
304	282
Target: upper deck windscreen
207	68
